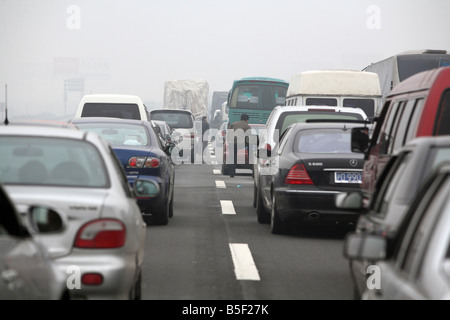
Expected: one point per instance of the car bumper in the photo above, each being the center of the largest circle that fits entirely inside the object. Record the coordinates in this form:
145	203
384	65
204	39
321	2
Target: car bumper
118	272
311	206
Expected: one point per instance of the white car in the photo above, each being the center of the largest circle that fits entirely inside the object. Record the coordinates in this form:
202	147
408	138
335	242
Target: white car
122	106
280	118
76	173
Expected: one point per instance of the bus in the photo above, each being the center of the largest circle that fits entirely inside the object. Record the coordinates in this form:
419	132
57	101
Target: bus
397	68
256	97
336	88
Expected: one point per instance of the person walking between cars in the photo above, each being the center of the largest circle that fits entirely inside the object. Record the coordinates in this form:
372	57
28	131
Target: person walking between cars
205	128
234	139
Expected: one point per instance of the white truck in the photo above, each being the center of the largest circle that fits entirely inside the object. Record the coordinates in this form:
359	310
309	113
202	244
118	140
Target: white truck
189	95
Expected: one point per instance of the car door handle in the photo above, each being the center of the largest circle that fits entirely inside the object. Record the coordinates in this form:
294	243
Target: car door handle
9	276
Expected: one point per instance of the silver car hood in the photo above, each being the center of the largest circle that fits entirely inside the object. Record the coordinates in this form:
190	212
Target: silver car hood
75	205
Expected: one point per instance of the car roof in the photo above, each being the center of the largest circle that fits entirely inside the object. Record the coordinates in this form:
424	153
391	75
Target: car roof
171	110
107	120
111	98
34	130
325	125
281	109
40	122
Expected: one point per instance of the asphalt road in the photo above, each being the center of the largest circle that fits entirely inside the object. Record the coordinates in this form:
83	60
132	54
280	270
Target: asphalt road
204	254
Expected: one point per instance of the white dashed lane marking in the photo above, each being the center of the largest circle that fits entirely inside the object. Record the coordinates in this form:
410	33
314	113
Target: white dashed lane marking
217	171
227	207
244	265
220	184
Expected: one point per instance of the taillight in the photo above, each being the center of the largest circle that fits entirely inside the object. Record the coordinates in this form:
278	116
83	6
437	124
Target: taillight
92	279
143	162
298	175
101	234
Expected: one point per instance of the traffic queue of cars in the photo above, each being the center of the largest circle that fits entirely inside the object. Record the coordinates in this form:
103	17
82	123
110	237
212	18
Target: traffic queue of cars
389	176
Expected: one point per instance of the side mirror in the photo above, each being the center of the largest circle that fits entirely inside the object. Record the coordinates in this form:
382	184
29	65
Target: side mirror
45	220
157	129
349	201
361	246
360	139
264	152
146	188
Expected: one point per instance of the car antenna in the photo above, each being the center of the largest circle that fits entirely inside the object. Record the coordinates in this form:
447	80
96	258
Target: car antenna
6	105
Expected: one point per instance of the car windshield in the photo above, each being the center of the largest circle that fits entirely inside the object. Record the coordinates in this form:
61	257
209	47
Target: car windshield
323	141
51	161
119	134
112	110
177	120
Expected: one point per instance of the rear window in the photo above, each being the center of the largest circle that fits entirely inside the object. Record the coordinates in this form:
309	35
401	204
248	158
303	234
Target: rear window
288	118
177	120
323	141
51	161
111	110
321	102
367	105
119	134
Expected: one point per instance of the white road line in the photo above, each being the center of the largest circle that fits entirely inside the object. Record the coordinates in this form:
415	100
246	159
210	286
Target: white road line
227	207
220	184
214	163
244	265
217	171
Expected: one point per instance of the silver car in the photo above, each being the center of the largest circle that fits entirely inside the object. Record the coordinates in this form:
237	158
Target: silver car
101	249
26	271
419	267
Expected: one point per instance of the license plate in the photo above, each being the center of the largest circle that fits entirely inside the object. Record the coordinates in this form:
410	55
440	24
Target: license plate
347	177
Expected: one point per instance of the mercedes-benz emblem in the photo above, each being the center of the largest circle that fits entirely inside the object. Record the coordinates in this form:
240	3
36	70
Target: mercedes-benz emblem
353	162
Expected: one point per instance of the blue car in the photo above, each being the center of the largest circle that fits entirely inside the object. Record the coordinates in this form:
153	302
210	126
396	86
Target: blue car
142	156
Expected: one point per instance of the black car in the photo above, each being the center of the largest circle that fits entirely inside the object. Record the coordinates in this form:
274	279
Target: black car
311	164
394	191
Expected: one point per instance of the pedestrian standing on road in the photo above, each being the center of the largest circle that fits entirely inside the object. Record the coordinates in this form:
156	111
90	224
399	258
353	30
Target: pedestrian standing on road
233	139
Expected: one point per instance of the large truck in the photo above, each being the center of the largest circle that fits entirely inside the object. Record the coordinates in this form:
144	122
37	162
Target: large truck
215	116
393	70
189	95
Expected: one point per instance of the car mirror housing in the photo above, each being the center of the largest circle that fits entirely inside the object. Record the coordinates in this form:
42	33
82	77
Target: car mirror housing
146	188
349	201
360	139
45	220
361	246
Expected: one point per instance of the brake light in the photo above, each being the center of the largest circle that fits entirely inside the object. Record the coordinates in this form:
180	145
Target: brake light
101	234
268	147
143	162
92	279
298	175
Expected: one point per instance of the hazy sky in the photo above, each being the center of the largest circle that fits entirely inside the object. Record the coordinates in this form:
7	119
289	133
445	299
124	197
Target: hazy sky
134	46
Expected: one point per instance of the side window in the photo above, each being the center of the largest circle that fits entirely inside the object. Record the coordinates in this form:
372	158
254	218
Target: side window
385	138
404	121
421	225
414	120
121	173
283	139
442	126
388	182
395	126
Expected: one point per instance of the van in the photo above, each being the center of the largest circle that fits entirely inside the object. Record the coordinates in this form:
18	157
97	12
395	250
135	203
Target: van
418	106
336	88
112	105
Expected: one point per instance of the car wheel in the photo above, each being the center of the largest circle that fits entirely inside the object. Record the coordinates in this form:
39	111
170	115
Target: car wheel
277	226
171	206
136	291
261	212
162	218
224	169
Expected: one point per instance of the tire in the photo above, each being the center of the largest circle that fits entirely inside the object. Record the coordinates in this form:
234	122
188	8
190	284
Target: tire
171	206
136	291
162	218
276	225
224	169
261	212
